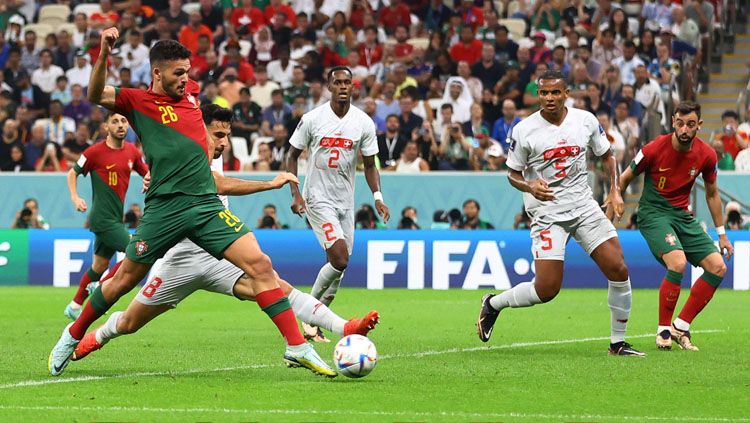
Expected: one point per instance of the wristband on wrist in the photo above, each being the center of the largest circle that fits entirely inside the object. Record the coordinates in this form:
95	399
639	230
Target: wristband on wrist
720	230
377	195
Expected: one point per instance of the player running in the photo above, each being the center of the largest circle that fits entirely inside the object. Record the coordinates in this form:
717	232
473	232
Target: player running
671	163
333	133
547	163
187	268
181	201
109	163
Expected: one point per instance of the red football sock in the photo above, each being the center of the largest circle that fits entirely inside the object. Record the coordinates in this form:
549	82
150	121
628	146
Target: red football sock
276	305
669	293
112	272
82	323
82	293
700	295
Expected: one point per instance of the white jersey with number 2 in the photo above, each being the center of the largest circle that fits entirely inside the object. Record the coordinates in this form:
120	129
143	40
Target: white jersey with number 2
332	144
557	154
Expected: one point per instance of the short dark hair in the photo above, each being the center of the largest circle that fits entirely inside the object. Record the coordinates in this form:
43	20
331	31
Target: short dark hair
392	115
629	44
728	114
277	91
245	90
471	200
167	50
338	69
687	107
551	74
212	112
446	106
623	101
269	206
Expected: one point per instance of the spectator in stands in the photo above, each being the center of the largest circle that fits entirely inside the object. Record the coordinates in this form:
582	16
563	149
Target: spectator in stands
656	14
316	97
263	88
468	48
211	95
359	72
733	140
611	86
278	112
486	32
531	92
263	162
725	160
628	62
408	121
455	149
189	33
742	161
473	84
58	128
471	218
280	30
105	17
539	52
391	143
79	107
63	54
247	115
299	46
522	220
370	50
593	67
366	218
557	61
11	136
274	8
370	107
648	93
247	18
387	105
269	219
628	127
410	161
605	49
734	217
637	110
663	68
61	91
393	15
476	127
297	85
30	58
436	15
594	99
73	148
52	159
162	31
25	119
511	86
685	29
213	68
16	161
505	48
176	16
46	74
441	220
229	87
96	122
213	17
134	52
488	69
408	218
282	69
81	73
279	147
12	66
14	28
24	219
127	22
647	48
503	126
133	216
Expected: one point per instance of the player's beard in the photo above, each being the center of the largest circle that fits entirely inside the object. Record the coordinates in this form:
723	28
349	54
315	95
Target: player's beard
687	138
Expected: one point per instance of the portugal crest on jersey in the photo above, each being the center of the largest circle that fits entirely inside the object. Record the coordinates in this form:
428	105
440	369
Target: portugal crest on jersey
693	172
141	247
192	100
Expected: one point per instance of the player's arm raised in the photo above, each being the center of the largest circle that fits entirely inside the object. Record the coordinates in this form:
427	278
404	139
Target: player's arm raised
713	199
615	204
373	181
236	186
98	93
292	162
78	202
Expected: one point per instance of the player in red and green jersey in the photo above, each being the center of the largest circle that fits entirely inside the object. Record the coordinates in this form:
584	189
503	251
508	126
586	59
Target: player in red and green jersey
109	163
181	200
671	163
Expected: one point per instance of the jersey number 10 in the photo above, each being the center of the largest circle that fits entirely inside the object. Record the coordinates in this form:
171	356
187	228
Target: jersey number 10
112	179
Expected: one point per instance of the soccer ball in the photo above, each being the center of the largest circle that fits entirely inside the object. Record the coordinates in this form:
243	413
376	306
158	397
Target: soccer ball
355	356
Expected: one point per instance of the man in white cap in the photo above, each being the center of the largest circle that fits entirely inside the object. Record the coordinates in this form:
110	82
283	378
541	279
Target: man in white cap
81	72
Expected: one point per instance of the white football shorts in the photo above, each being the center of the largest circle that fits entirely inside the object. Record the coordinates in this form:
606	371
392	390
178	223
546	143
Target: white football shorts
331	224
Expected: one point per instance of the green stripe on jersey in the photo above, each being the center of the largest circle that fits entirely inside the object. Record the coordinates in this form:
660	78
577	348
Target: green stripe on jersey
652	200
106	209
177	163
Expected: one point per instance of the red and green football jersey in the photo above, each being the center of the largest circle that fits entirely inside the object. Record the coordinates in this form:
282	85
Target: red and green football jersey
670	174
173	137
110	176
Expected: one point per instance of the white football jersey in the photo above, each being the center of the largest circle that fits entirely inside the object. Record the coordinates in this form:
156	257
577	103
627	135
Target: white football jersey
332	144
557	154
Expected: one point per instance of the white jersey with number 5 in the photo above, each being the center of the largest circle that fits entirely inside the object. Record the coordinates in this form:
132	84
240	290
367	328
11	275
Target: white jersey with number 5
332	144
557	154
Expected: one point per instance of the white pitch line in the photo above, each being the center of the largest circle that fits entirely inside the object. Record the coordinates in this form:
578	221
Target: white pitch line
455	414
51	381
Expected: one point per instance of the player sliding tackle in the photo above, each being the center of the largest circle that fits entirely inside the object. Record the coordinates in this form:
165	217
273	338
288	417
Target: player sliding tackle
181	201
548	164
671	163
187	268
333	133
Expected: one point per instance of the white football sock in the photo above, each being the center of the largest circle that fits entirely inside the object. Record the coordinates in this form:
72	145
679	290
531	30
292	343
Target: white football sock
330	293
522	295
75	306
109	329
660	329
681	324
619	298
326	276
311	311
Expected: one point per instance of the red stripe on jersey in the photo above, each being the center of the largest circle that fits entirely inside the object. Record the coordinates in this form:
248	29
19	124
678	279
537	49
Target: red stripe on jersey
114	165
183	114
562	151
336	142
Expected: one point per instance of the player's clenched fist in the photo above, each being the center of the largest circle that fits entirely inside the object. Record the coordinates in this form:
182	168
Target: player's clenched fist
109	36
383	210
540	190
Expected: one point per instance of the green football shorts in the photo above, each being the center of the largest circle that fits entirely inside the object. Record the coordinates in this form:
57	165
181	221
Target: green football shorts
668	231
168	220
108	242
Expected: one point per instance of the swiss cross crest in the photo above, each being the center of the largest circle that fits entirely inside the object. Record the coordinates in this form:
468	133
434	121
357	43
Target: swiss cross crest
141	247
191	99
348	144
693	171
670	238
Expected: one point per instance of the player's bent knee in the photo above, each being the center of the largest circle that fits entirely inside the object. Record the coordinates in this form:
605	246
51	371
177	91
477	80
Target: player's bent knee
547	294
718	269
619	272
677	264
261	267
340	262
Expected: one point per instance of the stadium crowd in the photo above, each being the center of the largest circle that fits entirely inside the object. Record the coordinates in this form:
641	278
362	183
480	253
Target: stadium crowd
444	81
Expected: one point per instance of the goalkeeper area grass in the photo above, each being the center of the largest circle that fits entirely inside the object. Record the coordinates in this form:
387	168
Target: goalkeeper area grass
215	358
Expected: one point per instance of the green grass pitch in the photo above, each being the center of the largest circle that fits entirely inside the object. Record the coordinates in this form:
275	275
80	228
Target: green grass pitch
218	359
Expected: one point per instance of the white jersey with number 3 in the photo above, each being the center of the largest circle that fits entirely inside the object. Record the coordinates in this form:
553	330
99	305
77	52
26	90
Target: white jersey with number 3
332	144
557	154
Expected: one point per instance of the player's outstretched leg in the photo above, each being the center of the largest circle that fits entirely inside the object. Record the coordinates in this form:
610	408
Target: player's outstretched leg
700	295
608	256
125	278
327	284
246	254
